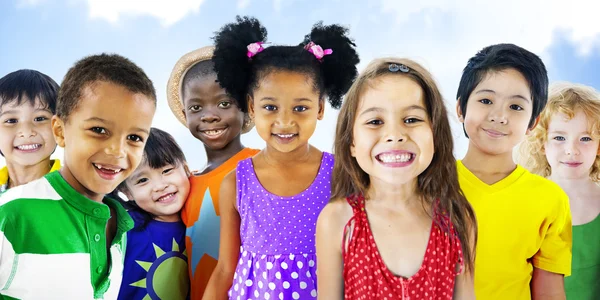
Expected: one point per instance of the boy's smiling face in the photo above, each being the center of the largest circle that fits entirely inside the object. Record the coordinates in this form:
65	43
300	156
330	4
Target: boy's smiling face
213	117
103	137
25	133
498	112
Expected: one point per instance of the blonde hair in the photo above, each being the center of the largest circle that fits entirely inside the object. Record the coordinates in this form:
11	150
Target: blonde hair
565	98
438	182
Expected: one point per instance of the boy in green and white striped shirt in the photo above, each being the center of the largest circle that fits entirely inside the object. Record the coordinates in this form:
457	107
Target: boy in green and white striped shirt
60	237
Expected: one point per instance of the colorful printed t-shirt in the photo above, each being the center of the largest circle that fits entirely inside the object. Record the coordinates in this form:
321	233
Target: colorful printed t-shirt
201	217
584	282
53	243
524	221
155	261
4	175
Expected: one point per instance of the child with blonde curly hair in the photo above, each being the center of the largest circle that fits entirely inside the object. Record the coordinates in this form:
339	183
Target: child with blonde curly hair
564	148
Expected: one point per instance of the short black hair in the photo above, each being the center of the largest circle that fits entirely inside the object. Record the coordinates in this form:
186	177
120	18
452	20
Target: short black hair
29	85
500	57
111	68
160	150
332	75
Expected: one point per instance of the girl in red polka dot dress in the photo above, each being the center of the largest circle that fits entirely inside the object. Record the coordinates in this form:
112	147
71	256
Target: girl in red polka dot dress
398	225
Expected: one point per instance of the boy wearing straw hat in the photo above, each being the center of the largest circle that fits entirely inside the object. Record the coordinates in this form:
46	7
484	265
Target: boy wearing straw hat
217	120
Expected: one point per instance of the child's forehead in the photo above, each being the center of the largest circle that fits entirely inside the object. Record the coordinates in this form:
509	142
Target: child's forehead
23	103
507	81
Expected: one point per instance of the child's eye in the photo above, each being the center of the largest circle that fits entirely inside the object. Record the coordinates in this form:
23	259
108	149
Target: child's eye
195	108
167	170
225	104
586	139
270	107
375	122
98	130
141	180
135	138
516	107
40	119
559	138
300	108
485	101
412	120
11	121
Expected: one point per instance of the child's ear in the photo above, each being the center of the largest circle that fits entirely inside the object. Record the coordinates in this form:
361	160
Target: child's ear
352	149
250	102
459	111
321	109
58	129
537	120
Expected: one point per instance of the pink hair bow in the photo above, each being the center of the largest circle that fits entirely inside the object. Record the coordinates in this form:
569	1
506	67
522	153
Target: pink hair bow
317	51
254	49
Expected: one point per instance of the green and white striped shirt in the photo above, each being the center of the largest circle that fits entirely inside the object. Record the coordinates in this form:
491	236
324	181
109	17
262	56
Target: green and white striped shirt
53	243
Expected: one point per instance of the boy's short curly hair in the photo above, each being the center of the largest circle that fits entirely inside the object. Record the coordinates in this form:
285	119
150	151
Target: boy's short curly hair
565	98
28	85
111	68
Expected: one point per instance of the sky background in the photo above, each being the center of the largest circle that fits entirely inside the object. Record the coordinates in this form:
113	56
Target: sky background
50	35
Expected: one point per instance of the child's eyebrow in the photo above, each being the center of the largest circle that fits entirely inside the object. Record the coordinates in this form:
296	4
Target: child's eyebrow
493	92
10	111
138	129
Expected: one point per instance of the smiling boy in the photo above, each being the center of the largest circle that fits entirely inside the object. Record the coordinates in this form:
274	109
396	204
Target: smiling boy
27	103
524	243
61	238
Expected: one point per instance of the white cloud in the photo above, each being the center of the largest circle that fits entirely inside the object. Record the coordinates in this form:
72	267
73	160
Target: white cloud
168	12
242	4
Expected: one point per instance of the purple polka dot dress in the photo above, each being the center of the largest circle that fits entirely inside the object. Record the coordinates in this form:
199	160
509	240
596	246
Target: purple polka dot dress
277	253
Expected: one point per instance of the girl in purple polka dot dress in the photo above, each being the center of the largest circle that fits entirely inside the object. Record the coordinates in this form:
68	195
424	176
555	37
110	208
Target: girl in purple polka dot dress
270	204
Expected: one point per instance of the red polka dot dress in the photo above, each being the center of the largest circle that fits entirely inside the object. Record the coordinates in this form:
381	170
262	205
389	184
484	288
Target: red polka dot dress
367	277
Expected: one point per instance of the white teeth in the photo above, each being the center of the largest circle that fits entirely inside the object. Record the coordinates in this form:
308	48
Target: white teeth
286	136
101	167
165	197
29	147
213	132
395	158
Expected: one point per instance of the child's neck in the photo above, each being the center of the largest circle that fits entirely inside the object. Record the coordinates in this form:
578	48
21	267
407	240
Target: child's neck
276	158
19	175
169	218
77	186
489	168
584	197
399	196
216	157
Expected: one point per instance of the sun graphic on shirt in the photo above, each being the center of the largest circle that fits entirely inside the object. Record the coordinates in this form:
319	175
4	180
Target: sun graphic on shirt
168	268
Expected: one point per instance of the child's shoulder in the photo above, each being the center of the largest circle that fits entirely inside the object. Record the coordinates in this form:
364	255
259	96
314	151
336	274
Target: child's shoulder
38	189
545	185
336	213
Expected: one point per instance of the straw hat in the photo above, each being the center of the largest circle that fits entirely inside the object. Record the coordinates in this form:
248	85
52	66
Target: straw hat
174	88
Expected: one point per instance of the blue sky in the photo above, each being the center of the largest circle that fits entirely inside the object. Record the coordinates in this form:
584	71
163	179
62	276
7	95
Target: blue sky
50	35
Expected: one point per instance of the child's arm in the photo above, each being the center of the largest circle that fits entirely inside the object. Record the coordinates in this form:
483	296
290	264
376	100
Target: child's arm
329	252
464	286
547	285
229	249
553	261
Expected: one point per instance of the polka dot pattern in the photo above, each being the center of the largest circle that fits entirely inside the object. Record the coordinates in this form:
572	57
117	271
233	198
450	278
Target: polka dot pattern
278	255
367	277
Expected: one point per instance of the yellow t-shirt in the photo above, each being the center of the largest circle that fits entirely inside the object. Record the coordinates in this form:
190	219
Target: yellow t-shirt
524	222
4	174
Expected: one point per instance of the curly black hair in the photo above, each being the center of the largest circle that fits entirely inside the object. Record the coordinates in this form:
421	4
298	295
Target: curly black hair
112	68
240	76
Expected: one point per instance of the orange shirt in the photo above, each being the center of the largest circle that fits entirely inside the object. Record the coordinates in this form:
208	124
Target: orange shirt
201	217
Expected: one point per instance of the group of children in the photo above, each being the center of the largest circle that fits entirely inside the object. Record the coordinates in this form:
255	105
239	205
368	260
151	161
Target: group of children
391	214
